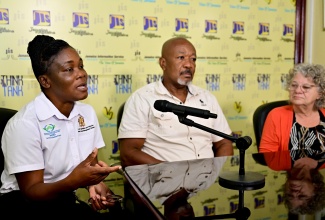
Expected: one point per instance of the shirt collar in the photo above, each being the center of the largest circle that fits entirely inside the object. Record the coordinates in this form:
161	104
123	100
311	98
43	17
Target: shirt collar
161	89
45	109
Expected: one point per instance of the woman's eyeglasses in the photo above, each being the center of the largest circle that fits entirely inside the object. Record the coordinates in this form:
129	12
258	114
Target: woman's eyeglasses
305	88
114	198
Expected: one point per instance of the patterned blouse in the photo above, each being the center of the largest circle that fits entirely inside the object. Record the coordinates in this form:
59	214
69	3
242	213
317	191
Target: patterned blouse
308	142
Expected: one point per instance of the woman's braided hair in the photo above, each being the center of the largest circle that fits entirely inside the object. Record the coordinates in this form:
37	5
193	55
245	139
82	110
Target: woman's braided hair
42	50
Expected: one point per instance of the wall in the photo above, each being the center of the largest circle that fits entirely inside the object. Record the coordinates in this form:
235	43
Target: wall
244	48
315	32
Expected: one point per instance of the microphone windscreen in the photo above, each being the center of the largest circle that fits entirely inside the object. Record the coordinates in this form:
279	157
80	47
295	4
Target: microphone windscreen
160	105
248	140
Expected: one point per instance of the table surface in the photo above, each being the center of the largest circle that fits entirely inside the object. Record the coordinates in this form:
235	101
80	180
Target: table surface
216	186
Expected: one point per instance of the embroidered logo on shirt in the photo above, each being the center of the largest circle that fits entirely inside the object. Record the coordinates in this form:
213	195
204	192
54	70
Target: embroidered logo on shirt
81	121
83	129
49	127
50	132
82	125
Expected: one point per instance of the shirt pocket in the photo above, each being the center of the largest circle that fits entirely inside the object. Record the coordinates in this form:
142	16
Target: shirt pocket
87	140
163	120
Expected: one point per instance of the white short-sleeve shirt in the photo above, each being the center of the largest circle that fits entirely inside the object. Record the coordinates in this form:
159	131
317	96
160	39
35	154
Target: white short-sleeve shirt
165	137
40	137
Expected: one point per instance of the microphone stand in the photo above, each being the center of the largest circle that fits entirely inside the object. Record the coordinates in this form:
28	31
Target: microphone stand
240	181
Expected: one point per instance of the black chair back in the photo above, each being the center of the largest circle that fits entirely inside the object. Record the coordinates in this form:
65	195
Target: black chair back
259	118
5	115
119	116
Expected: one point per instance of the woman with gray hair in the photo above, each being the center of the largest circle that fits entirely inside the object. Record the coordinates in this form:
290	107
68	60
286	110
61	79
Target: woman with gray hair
296	132
299	126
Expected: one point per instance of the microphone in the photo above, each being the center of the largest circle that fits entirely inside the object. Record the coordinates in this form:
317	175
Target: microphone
165	106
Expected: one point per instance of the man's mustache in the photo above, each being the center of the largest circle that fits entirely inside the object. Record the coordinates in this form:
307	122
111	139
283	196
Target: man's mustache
186	72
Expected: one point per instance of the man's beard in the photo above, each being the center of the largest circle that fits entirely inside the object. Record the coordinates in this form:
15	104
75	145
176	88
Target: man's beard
183	82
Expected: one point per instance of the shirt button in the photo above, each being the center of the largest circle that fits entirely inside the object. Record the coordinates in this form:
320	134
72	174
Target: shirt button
190	138
198	155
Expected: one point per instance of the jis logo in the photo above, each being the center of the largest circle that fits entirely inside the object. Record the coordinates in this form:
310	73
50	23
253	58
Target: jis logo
50	132
80	20
238	27
263	28
116	22
181	24
259	202
209	210
234	205
237	134
211	26
287	30
41	18
4	16
150	23
115	149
